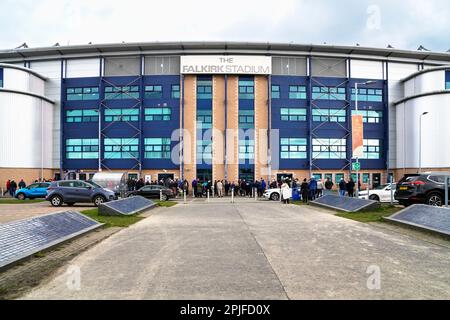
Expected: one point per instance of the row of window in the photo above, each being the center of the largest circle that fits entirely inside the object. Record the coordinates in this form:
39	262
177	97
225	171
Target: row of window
160	148
120	92
329	93
118	148
328	115
204	117
113	115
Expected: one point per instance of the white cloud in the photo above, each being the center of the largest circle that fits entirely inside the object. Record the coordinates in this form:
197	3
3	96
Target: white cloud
404	23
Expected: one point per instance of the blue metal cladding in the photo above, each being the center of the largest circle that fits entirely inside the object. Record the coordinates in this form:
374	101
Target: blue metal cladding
246	104
301	129
1	78
447	79
203	104
149	129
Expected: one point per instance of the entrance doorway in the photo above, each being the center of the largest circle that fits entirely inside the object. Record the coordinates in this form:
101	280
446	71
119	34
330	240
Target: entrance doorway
204	175
376	180
247	175
283	176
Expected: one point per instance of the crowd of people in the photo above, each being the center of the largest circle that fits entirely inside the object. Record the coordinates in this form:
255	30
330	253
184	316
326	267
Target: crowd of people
309	189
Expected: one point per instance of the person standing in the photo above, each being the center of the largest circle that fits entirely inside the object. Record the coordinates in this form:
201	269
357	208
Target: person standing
194	187
312	188
351	188
22	184
286	192
329	185
342	188
263	187
219	186
304	190
273	184
8	187
13	188
319	188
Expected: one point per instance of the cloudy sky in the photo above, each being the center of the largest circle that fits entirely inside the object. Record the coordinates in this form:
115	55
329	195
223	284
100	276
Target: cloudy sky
404	24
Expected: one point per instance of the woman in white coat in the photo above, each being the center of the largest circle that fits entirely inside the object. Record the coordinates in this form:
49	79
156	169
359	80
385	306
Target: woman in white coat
286	192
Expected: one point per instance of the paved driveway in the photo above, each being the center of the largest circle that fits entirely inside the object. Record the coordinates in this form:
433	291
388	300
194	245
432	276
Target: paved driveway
255	251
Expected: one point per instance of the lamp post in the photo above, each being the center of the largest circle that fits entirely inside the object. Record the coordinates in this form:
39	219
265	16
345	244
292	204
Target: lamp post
420	140
356	109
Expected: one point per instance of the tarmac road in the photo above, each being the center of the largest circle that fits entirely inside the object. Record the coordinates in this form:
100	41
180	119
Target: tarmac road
255	250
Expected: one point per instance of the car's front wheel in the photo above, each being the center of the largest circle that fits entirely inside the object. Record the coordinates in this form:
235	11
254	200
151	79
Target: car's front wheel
275	197
56	201
435	200
98	200
21	196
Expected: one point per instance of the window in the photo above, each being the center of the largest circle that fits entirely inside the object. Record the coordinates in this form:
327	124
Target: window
158	114
338	177
317	176
204	150
153	92
371	95
365	178
297	92
246	119
293	148
120	93
78	94
125	115
276	92
204	89
82	149
328	93
121	148
329	115
369	116
246	149
447	85
175	91
157	148
204	119
83	115
329	148
293	114
246	89
371	149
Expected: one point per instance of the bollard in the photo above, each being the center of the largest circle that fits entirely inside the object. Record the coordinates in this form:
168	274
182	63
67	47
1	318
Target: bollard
160	195
208	196
184	196
212	191
256	194
392	191
232	195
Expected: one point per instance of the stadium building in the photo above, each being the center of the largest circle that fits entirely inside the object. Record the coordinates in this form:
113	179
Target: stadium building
221	110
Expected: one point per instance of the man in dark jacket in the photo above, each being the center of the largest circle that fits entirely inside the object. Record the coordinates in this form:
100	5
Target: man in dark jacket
13	188
328	184
351	188
22	184
342	188
304	190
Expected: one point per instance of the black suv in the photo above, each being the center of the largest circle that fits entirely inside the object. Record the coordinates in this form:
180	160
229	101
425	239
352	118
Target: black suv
426	188
153	191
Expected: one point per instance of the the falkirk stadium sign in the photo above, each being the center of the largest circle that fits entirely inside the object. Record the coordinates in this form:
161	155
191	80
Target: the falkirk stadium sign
226	65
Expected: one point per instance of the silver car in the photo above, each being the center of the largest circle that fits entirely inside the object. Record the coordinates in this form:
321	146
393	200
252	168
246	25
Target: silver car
74	191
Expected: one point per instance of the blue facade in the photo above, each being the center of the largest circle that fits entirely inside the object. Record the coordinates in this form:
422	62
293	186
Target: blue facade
136	128
447	79
312	129
1	78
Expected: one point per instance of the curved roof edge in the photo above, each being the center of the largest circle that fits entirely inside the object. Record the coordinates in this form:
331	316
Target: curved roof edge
432	93
35	95
415	74
223	46
12	66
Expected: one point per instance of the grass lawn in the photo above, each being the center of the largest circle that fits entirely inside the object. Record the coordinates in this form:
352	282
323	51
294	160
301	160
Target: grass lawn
371	215
114	221
122	221
15	201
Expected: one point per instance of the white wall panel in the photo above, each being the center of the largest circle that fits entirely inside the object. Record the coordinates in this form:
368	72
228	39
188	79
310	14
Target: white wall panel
435	132
81	68
425	82
22	80
26	132
366	69
399	71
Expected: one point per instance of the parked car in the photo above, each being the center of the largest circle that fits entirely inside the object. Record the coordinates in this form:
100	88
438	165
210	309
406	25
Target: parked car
73	191
153	192
273	194
381	193
33	191
425	188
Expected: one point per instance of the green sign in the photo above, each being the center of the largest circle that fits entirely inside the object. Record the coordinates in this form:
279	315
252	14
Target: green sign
356	166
